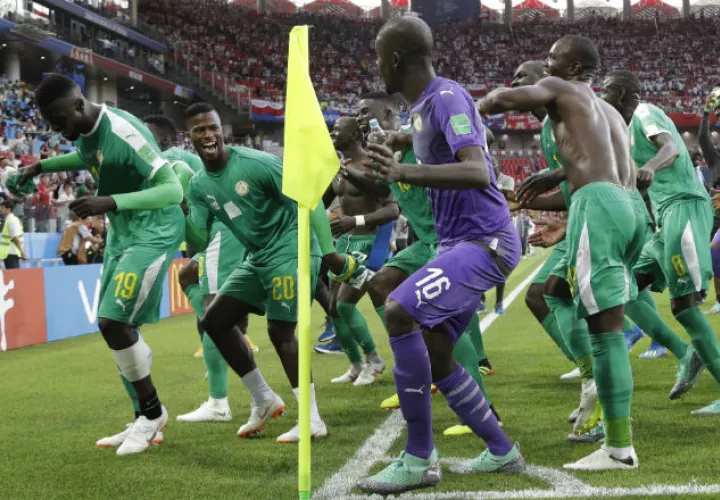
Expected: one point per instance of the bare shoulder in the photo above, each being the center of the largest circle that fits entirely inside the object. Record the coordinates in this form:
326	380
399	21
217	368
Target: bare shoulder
556	84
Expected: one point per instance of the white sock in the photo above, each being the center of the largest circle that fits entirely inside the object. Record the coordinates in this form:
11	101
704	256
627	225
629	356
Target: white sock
588	384
258	388
374	358
620	453
218	404
355	368
314	414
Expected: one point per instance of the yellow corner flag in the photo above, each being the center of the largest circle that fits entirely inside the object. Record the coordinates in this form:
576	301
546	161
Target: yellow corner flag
310	163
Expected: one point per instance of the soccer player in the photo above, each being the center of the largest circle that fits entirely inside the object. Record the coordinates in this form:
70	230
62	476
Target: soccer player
712	158
201	277
415	204
429	311
141	195
356	234
243	189
603	236
678	257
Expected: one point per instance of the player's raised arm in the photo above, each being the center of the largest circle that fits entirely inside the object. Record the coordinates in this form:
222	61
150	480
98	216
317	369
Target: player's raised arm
527	98
199	220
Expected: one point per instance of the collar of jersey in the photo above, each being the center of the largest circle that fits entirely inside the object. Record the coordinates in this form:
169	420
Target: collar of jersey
103	110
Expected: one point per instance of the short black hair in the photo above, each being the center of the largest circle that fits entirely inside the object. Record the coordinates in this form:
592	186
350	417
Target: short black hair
198	109
627	79
408	35
380	95
584	50
163	122
53	87
9	204
535	65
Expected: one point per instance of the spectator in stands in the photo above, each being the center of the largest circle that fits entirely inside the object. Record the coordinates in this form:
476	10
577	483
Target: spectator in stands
62	202
42	200
11	243
77	242
20	144
4	145
87	188
14	162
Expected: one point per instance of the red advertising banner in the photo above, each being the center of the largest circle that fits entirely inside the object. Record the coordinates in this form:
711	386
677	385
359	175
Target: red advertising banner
179	303
22	308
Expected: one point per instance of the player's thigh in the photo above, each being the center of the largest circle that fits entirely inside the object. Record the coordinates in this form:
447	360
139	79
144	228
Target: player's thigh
398	268
686	259
135	286
556	255
280	282
448	289
240	294
601	227
647	270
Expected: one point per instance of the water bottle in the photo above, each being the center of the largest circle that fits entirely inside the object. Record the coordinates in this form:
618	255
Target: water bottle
377	134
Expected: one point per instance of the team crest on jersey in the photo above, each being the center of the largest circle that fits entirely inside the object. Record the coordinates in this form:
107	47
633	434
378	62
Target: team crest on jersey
99	157
242	188
404	187
417	122
398	155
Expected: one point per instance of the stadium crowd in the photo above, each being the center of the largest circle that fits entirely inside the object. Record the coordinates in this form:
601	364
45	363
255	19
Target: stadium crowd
250	50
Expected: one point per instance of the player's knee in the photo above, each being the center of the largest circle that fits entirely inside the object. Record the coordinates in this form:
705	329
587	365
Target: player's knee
188	274
345	310
117	335
397	319
243	323
534	296
281	332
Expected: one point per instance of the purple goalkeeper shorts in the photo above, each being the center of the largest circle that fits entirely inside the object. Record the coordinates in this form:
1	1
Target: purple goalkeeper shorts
448	289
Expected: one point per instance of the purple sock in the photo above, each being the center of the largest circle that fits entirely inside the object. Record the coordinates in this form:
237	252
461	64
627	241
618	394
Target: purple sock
413	379
465	398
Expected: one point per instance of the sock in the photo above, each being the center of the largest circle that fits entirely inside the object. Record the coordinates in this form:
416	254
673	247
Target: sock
473	330
345	336
314	413
196	298
466	400
551	327
151	407
216	368
575	334
464	354
133	395
613	377
627	325
644	313
258	388
381	312
374	358
703	339
358	326
412	381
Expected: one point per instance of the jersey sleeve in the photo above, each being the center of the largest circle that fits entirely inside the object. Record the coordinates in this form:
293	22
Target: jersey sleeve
199	221
454	115
650	121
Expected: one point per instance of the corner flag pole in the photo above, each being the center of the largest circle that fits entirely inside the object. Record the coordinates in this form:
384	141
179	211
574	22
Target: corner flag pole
304	301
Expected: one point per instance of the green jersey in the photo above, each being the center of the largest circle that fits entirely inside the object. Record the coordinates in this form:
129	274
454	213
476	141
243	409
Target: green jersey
677	182
415	204
176	154
246	195
123	157
552	155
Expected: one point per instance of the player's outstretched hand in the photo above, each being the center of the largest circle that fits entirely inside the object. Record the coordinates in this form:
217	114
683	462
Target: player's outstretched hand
713	101
29	172
92	205
645	177
343	225
715	197
535	185
511	198
548	232
381	160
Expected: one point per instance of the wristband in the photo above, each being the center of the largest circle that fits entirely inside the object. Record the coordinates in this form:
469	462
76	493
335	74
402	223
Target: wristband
359	220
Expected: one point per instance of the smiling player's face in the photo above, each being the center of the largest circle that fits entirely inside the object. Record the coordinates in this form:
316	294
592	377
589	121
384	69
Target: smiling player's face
206	135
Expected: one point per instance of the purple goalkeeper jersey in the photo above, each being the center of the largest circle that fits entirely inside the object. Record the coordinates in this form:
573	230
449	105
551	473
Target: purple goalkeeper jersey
444	120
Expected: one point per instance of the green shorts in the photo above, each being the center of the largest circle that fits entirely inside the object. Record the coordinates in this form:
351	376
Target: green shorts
357	245
603	239
413	257
270	288
555	257
677	257
131	287
219	260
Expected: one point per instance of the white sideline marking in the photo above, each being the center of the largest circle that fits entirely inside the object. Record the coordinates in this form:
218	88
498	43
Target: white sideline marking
562	484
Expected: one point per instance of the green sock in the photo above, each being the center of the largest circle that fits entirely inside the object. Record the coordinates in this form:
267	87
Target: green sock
381	312
216	368
345	336
196	297
131	392
358	326
613	377
551	327
627	324
575	334
473	330
465	355
643	312
703	339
